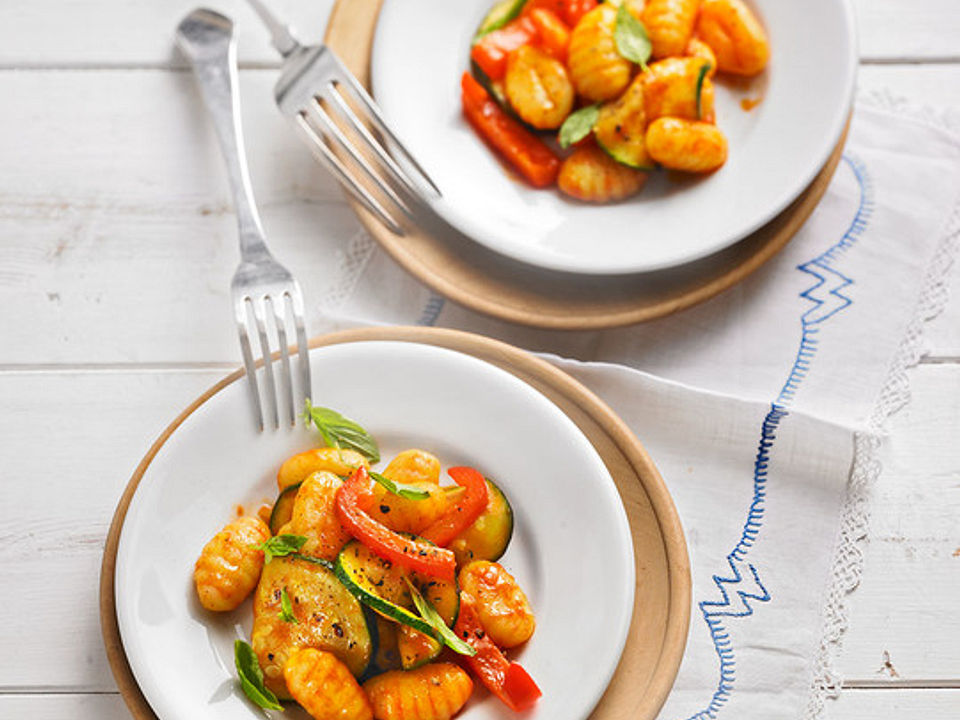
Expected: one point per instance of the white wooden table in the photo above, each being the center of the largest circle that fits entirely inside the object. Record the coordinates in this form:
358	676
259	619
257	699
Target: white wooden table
116	249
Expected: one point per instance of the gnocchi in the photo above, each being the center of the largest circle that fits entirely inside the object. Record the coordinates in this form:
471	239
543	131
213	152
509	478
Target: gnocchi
735	35
598	70
324	686
686	145
432	692
504	610
229	565
670	25
591	175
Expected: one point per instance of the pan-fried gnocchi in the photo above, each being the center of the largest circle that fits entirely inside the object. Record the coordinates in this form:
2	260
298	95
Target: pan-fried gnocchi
626	65
345	590
229	566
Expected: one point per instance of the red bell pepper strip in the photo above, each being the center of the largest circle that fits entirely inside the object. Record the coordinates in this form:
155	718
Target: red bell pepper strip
468	507
573	10
491	51
505	679
554	36
531	157
422	557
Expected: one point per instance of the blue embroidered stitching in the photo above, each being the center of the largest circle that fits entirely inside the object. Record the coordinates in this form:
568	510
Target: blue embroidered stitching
824	307
431	311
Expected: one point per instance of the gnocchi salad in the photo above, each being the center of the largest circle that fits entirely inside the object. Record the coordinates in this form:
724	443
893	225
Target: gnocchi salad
626	86
375	595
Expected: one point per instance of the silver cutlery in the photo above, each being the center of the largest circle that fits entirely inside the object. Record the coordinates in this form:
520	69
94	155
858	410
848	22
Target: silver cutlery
264	292
344	128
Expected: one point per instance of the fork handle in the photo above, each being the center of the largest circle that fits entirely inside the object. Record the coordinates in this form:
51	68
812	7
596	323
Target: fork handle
209	44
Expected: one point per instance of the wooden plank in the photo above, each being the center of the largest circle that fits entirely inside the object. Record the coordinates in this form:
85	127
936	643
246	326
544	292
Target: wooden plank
56	707
45	33
903	623
138	32
71	441
122	214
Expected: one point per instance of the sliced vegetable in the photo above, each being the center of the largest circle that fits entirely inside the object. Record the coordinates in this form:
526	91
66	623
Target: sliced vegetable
487	538
328	617
491	51
430	614
251	677
412	554
340	432
386	656
416	648
553	36
531	157
701	76
466	508
499	15
283	508
489	663
621	127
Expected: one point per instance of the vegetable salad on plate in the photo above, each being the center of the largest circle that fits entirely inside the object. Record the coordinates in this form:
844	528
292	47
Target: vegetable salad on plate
625	87
375	594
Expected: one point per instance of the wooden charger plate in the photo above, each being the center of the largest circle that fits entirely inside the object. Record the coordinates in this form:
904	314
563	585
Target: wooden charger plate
661	615
478	278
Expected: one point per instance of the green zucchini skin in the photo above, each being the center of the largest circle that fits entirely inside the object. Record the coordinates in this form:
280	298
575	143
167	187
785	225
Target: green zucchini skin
371	579
499	15
283	508
490	534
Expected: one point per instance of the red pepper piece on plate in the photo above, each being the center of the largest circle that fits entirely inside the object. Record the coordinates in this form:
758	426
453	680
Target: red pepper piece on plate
527	153
422	557
554	36
492	50
468	507
505	679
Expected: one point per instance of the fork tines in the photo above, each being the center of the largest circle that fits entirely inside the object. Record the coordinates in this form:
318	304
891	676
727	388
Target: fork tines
267	313
347	133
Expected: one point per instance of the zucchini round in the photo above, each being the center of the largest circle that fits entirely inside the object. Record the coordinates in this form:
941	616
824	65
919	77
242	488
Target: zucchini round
621	128
327	616
488	537
283	508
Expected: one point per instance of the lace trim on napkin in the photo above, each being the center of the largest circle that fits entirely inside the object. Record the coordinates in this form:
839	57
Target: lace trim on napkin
895	394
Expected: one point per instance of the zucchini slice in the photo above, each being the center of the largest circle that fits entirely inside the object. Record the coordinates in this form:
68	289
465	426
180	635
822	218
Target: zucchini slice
327	617
415	648
379	584
488	537
499	15
283	508
621	128
386	656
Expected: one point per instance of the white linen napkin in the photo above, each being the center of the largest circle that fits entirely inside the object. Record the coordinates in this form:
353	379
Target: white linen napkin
763	408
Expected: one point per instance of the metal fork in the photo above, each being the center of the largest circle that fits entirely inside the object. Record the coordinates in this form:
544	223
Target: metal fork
325	102
261	286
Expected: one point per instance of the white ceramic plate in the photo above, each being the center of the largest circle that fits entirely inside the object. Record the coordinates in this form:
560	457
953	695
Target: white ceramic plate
571	549
422	47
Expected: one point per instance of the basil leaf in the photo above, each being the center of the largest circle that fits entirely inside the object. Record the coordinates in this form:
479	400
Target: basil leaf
631	37
410	492
251	677
281	545
443	633
338	431
286	608
578	125
700	78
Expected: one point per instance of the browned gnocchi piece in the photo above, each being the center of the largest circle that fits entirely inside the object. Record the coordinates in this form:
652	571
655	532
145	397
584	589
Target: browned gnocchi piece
335	460
432	692
414	465
599	72
504	610
324	686
670	25
314	517
686	145
229	565
538	88
591	175
670	89
735	35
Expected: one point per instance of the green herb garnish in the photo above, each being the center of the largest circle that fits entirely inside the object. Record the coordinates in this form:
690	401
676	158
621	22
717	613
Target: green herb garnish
432	617
281	545
700	78
286	608
251	677
631	37
410	492
578	125
339	432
